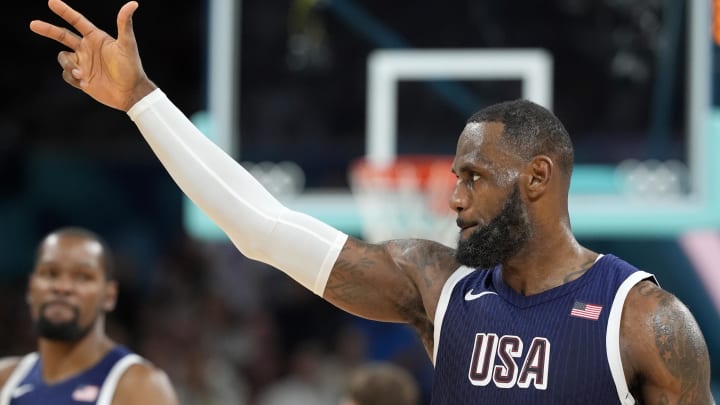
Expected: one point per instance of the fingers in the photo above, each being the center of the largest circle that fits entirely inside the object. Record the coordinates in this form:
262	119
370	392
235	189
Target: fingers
69	79
67	13
62	35
71	72
67	60
124	22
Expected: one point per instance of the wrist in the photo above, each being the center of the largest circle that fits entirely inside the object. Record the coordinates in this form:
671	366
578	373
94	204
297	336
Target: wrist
141	90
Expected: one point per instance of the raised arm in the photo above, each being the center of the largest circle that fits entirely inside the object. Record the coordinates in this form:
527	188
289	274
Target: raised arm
665	356
384	282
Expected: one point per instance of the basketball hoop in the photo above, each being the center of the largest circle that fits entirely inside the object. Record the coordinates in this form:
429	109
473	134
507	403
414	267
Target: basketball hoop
407	198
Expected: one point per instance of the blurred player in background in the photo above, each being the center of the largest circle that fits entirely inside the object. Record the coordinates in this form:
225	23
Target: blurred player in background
519	313
381	384
70	290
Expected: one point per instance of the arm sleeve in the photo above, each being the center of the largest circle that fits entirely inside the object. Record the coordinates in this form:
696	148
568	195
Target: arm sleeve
258	224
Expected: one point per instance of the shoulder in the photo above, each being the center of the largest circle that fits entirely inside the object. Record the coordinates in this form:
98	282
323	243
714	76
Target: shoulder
654	309
7	366
424	255
427	263
661	342
144	383
416	250
654	314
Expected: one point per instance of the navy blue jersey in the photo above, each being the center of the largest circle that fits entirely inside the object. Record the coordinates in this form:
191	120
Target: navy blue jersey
96	385
495	346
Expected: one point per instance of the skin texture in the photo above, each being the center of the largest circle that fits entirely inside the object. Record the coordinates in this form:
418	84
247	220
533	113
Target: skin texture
664	354
68	284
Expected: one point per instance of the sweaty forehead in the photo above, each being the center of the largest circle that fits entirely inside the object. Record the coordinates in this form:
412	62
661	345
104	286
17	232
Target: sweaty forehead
479	142
70	250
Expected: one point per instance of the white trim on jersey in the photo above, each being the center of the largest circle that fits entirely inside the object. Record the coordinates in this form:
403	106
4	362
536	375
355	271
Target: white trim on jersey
24	366
443	302
111	381
612	335
106	392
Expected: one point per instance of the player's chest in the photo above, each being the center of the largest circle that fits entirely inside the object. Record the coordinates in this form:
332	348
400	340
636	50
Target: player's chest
500	345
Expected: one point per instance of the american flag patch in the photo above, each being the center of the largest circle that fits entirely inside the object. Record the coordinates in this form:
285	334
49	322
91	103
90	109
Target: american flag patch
86	393
587	311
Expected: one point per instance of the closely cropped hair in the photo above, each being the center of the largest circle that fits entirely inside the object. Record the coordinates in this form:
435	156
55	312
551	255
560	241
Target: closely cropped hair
530	130
382	384
108	261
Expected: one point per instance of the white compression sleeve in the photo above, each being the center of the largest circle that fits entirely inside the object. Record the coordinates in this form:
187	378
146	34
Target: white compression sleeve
260	226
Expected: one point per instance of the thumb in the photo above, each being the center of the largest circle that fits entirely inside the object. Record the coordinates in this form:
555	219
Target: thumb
124	22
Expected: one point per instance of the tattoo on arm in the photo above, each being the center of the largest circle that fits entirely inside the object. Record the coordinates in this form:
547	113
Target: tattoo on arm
681	347
362	267
425	257
344	283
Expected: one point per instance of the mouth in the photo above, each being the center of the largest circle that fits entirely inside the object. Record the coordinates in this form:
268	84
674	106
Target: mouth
467	231
466	227
58	309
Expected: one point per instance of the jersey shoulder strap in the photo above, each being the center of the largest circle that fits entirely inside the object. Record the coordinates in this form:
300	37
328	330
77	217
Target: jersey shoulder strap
23	368
111	381
443	303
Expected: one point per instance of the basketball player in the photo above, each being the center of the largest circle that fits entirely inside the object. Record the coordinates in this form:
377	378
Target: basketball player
71	288
519	313
381	384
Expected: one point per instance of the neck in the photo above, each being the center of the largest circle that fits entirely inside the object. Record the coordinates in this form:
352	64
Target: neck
61	360
549	259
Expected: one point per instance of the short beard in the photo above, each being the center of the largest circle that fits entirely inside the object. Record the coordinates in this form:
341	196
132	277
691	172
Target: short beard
499	240
68	331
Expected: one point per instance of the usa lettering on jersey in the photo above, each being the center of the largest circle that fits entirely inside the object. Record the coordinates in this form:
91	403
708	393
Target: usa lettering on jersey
506	373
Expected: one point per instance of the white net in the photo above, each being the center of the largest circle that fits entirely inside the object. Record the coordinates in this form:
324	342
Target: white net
407	199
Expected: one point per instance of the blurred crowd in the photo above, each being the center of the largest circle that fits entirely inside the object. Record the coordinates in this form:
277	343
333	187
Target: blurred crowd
229	330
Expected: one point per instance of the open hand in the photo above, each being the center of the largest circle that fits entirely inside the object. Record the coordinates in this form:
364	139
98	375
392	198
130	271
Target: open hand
107	69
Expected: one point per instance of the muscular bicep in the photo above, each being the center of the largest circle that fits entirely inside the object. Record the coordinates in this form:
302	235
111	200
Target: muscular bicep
395	281
665	349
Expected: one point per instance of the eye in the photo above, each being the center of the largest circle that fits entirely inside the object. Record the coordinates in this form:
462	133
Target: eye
472	179
48	272
83	276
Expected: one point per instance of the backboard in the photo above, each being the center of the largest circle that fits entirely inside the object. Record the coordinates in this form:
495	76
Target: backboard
636	197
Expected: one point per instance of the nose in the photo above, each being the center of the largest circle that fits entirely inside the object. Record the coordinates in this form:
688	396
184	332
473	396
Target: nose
62	285
459	198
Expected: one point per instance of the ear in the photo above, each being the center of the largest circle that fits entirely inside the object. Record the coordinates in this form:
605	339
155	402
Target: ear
111	294
539	172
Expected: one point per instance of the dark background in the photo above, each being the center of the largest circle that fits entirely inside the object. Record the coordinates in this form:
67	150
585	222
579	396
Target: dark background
619	76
